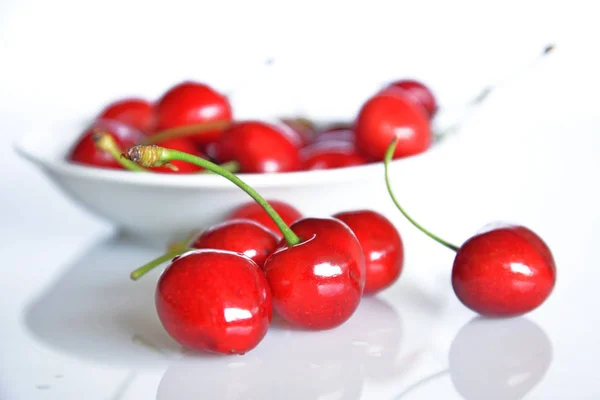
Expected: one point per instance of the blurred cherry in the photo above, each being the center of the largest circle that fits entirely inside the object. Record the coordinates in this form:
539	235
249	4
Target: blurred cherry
138	113
346	135
392	114
190	103
421	93
328	154
259	148
85	151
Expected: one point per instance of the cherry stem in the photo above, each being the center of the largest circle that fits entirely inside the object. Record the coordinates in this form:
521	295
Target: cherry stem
152	155
149	266
187	130
105	142
231	166
388	157
181	244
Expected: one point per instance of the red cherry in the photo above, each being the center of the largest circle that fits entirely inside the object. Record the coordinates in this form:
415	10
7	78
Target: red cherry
255	212
181	144
241	236
336	134
503	272
192	103
388	115
421	93
85	152
381	245
337	126
138	113
214	300
330	154
259	148
318	283
303	127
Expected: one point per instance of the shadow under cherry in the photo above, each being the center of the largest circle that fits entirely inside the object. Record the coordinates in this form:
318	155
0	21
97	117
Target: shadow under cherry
94	311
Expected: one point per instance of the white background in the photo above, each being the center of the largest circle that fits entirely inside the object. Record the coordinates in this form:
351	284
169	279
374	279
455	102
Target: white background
530	155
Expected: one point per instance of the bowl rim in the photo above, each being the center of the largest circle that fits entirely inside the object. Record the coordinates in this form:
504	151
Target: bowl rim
60	166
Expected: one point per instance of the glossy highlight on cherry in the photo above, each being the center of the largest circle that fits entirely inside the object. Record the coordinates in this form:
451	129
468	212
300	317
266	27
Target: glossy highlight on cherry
502	272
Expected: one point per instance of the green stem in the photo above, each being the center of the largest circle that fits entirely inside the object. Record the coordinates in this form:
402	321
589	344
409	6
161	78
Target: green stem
107	143
388	157
187	130
144	269
155	155
231	166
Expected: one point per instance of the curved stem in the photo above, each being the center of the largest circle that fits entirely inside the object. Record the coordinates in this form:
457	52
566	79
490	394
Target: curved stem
388	157
144	269
154	155
105	142
231	166
187	130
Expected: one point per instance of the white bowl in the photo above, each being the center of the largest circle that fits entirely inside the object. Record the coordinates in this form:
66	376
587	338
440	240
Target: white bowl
158	208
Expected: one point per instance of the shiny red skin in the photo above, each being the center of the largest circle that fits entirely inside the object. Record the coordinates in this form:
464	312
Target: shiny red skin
259	148
187	146
253	211
337	135
390	114
192	103
381	244
85	152
138	113
241	236
214	300
421	93
503	272
318	283
331	154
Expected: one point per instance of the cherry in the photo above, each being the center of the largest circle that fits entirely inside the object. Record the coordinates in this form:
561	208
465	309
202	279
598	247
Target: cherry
85	151
317	276
214	300
337	126
181	144
381	245
303	127
387	115
258	147
138	113
336	134
255	212
330	154
241	236
502	272
421	94
318	283
190	103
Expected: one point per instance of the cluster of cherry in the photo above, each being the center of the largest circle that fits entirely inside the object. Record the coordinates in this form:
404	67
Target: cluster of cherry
194	118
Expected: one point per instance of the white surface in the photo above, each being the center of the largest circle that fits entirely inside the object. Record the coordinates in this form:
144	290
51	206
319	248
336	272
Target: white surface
69	313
